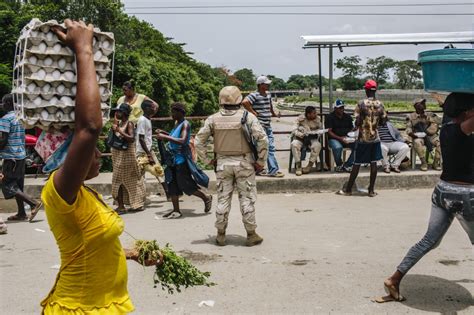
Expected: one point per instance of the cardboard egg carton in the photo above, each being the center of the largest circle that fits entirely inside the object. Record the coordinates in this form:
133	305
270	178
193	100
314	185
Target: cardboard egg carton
44	76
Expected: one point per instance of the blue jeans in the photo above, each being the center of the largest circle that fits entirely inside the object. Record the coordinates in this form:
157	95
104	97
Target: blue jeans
337	147
440	221
271	161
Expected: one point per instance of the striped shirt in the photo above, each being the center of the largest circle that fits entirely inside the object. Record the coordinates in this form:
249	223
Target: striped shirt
15	148
384	134
261	104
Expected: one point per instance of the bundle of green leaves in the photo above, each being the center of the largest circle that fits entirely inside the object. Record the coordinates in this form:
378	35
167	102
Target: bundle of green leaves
175	272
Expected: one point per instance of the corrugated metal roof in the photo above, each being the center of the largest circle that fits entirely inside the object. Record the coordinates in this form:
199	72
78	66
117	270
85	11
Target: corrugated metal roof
314	41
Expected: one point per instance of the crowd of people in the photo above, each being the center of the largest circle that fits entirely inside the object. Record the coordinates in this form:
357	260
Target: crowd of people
93	273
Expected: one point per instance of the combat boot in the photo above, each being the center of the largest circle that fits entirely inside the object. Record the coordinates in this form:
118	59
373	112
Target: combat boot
424	165
253	238
298	169
220	238
308	167
437	165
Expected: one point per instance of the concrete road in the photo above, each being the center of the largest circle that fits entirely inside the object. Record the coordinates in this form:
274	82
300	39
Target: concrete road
322	253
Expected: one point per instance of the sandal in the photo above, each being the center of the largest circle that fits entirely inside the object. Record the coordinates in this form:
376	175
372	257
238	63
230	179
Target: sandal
35	211
262	173
393	294
121	210
137	209
208	204
396	169
173	215
343	193
388	298
16	217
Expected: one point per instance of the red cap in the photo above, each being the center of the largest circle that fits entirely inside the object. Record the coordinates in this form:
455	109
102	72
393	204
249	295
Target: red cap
370	85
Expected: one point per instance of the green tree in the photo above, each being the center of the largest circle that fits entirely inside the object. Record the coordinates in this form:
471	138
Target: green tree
305	81
247	79
408	74
351	69
277	83
159	67
350	65
378	68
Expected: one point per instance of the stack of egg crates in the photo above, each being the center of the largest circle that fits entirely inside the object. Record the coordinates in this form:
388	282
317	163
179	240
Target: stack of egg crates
44	76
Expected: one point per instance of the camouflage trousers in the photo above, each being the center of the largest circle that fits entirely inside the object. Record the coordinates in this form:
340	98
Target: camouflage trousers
241	177
420	146
297	145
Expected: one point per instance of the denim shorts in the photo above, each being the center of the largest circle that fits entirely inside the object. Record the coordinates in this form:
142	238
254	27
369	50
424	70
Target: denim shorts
367	152
455	199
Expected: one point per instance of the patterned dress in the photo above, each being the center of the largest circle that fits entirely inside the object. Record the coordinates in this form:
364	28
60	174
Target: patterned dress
127	174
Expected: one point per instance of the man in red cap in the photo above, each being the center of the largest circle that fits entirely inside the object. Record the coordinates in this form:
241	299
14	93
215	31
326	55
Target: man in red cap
368	113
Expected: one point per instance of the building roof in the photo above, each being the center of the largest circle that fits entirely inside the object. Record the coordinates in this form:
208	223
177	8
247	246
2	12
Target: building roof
354	40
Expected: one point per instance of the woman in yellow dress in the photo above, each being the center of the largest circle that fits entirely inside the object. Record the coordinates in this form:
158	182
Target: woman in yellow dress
93	274
133	99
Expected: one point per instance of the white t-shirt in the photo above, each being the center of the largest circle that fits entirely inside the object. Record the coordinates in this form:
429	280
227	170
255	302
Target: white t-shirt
144	128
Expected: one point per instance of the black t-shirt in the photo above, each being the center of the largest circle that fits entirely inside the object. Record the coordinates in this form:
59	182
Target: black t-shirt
340	126
457	149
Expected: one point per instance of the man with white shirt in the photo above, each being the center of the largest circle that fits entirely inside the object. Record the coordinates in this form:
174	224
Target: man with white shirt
146	158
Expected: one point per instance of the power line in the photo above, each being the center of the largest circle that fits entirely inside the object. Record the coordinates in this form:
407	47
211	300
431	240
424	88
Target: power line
301	6
303	13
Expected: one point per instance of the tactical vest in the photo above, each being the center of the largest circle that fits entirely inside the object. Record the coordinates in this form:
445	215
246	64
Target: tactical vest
229	138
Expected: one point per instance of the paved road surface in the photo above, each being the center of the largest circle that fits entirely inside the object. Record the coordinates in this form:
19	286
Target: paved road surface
322	253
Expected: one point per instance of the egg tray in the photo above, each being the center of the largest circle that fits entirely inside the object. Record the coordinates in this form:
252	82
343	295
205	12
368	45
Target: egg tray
44	76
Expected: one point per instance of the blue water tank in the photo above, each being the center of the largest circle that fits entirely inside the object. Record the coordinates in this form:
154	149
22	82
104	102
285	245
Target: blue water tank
448	70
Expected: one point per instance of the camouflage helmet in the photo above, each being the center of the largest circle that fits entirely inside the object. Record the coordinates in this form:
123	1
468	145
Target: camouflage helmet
230	95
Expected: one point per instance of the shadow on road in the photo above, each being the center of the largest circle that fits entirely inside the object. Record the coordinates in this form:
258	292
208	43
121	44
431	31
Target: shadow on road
230	240
187	213
433	294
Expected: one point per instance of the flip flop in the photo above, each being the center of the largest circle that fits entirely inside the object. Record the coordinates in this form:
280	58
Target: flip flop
15	217
208	204
174	215
262	173
372	194
121	211
393	292
388	298
35	211
343	193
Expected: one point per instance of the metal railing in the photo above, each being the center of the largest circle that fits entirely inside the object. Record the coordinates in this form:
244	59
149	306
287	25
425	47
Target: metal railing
286	132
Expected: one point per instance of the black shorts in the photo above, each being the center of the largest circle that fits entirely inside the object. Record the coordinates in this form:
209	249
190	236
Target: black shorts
14	177
367	153
181	181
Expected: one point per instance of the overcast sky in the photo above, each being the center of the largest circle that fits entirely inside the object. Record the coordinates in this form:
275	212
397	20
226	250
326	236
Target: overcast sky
272	44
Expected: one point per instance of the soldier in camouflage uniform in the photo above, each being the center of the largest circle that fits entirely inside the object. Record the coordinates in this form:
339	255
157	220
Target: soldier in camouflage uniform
428	123
303	135
234	162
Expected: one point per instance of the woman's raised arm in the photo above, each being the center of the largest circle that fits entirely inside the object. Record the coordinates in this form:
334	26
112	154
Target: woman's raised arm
88	119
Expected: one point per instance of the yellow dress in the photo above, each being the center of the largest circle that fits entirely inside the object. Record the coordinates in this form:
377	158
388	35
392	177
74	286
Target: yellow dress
93	274
137	111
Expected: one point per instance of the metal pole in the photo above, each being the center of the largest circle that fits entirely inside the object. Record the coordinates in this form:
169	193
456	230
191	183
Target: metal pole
330	79
321	155
320	84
